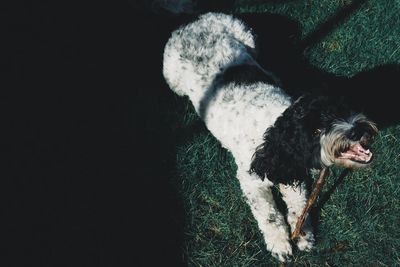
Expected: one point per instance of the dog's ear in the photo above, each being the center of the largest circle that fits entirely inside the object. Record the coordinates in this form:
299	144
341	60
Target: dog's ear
290	147
283	158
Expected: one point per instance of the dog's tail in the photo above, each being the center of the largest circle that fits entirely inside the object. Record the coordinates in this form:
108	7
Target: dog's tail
197	53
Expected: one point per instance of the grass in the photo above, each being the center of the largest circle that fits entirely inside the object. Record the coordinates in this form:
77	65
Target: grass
358	225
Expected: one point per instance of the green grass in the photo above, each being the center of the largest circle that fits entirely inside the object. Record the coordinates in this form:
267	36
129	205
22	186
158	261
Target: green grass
359	223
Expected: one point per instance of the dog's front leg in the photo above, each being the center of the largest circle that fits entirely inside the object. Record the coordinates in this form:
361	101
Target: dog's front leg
295	198
270	221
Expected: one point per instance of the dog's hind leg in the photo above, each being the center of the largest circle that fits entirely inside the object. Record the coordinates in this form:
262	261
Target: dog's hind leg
270	221
295	198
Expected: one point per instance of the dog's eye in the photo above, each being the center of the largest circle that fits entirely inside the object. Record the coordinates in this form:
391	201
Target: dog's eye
354	135
317	132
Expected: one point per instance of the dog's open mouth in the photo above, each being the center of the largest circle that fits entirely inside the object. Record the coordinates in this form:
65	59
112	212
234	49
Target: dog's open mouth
357	153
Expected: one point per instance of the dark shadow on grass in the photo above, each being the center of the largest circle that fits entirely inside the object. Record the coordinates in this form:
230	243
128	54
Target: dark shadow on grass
328	26
93	150
156	110
375	93
216	6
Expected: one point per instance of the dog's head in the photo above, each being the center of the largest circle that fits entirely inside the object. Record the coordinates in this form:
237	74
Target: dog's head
314	132
346	141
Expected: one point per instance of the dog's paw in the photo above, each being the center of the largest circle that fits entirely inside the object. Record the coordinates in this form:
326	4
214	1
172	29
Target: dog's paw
306	242
282	251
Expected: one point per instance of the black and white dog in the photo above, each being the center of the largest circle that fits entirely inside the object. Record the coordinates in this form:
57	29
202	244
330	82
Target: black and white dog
273	138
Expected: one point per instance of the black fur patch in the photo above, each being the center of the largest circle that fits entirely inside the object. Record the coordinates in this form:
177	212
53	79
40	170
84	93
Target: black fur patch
247	74
291	146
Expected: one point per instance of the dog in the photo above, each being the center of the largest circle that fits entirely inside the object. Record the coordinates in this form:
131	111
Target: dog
276	141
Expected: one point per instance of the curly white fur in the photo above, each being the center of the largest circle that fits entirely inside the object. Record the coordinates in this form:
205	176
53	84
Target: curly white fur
236	114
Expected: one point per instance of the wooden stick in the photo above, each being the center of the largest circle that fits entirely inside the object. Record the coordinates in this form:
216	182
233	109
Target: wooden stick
310	202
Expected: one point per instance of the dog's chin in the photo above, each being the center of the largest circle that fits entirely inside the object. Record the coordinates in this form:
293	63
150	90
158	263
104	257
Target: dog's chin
356	156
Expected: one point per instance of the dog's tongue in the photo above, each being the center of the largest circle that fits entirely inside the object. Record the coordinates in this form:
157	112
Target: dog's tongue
357	153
